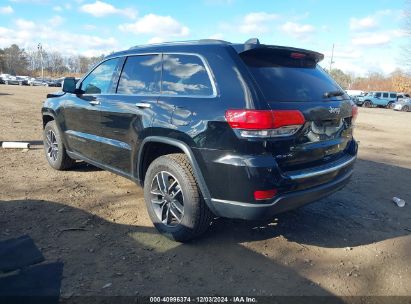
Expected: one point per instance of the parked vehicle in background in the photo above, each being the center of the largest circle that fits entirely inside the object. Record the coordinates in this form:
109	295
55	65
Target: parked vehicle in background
404	104
16	80
378	99
402	95
52	82
55	82
36	82
208	128
359	100
354	94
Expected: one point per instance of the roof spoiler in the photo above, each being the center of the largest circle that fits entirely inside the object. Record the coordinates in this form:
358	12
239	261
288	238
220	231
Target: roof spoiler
254	44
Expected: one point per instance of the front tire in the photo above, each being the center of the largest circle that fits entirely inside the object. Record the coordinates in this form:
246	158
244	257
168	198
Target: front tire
54	149
405	108
173	200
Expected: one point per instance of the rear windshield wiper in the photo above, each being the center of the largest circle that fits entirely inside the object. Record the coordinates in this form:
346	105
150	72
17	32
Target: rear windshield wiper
333	94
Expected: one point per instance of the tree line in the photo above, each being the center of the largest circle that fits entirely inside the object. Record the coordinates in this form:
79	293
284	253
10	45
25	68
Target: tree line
397	81
18	61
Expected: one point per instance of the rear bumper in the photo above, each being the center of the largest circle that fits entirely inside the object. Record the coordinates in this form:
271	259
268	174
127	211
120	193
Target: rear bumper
285	202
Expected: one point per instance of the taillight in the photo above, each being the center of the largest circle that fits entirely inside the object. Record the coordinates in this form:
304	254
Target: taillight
264	194
265	123
354	113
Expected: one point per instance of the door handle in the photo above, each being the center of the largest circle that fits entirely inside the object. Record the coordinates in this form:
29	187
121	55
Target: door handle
144	105
94	102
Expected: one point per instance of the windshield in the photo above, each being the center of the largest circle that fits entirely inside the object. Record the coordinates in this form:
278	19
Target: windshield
286	79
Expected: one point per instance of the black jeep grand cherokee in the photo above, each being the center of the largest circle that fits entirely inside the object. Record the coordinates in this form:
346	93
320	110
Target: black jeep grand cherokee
208	128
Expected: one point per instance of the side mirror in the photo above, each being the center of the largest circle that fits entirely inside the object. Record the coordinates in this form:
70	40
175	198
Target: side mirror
69	85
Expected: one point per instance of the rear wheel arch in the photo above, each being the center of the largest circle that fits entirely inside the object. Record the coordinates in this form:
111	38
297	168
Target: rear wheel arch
169	146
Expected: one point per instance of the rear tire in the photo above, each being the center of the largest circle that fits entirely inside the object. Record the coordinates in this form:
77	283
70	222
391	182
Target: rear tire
54	149
405	108
367	104
390	105
173	200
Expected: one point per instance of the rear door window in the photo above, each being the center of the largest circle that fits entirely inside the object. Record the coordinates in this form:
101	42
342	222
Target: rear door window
385	95
140	75
185	75
283	78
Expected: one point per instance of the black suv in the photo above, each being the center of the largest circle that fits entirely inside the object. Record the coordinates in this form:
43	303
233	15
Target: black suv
208	128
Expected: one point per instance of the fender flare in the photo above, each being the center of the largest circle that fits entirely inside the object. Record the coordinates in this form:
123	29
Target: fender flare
189	153
51	113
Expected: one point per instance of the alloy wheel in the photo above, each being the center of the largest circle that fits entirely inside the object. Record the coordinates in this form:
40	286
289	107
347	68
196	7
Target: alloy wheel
52	145
167	199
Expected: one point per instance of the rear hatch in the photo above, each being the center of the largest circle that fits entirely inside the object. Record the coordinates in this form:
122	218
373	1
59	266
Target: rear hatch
290	79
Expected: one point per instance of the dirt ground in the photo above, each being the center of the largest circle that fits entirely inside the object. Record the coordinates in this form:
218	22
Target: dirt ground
355	242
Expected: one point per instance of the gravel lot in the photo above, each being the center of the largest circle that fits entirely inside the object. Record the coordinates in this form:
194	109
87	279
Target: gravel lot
356	242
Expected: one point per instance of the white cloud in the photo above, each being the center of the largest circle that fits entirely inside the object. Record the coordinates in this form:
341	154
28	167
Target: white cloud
25	24
219	2
218	36
297	30
59	8
101	9
56	21
89	27
256	22
371	39
362	66
31	1
27	34
361	24
161	27
6	10
155	40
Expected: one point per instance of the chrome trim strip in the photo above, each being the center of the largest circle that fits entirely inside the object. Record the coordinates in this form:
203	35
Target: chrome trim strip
322	171
103	140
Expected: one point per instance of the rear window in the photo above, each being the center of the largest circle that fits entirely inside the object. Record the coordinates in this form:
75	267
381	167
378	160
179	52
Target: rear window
286	76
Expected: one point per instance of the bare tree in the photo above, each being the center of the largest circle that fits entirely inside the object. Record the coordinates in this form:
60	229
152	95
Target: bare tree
15	60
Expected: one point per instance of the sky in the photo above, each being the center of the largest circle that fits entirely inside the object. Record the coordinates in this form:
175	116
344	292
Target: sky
367	34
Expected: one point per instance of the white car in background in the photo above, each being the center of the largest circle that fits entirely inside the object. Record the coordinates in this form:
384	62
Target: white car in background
404	104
